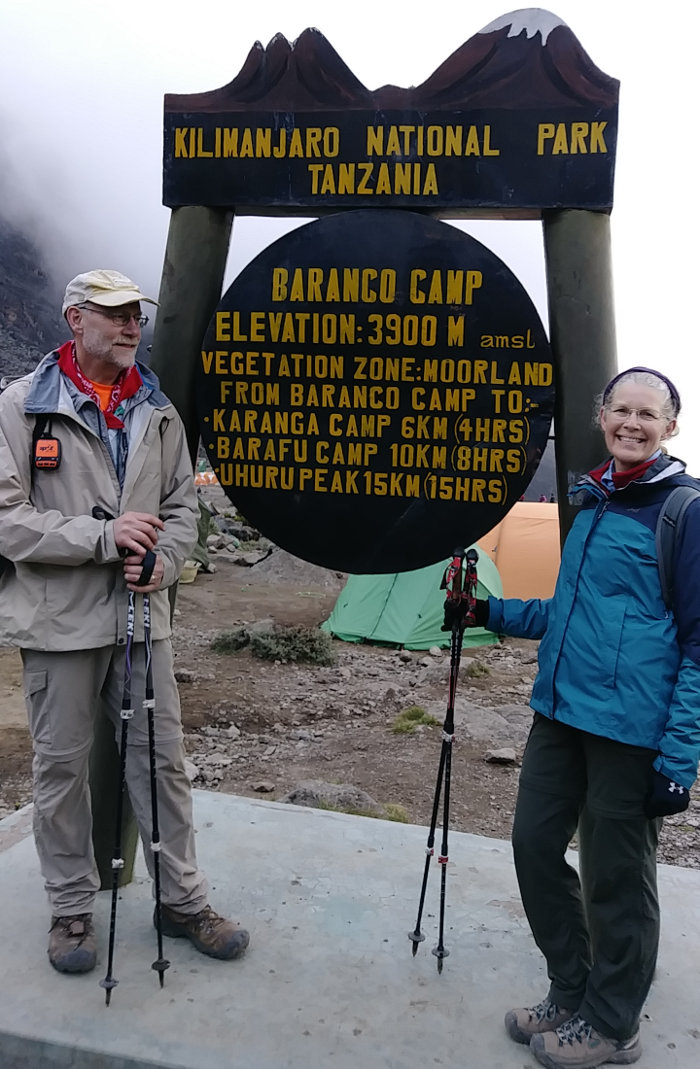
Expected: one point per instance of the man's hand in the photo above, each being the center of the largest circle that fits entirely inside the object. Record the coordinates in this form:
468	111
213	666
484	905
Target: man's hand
664	797
133	566
137	531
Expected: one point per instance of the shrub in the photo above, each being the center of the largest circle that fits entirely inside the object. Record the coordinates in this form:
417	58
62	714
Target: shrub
230	641
387	811
297	644
394	811
409	719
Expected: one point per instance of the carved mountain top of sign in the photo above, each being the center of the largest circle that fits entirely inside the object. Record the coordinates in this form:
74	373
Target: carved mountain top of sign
526	59
523	60
306	75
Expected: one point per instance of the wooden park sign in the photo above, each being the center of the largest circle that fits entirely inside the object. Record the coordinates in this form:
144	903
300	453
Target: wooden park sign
376	388
517	120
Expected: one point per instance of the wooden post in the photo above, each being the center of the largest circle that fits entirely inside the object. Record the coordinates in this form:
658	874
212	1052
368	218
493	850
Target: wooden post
582	335
190	289
105	780
193	272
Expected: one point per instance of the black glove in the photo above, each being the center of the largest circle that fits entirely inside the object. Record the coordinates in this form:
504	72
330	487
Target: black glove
456	613
481	613
664	797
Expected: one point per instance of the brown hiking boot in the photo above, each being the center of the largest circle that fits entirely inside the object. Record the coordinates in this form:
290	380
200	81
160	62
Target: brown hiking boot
577	1045
72	946
546	1016
206	930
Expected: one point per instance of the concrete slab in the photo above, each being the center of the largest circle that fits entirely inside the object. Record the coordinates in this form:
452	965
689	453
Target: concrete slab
329	979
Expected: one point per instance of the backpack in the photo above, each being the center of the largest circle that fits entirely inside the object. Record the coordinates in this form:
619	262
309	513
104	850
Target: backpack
668	526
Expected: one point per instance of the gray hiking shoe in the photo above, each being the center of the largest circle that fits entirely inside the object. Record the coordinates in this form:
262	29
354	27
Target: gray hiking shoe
577	1045
546	1016
72	946
206	930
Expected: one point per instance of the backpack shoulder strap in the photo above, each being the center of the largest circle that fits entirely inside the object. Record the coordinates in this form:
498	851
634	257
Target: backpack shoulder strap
39	427
668	525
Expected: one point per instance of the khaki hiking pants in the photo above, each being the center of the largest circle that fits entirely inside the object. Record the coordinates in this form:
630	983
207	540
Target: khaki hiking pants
599	934
65	692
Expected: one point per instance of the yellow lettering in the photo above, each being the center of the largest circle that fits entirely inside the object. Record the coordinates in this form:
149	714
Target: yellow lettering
383	183
246	150
416	295
280	276
263	142
545	132
201	151
328	183
366	169
430	186
472	147
296	147
560	142
579	132
488	151
375	140
181	142
597	139
230	145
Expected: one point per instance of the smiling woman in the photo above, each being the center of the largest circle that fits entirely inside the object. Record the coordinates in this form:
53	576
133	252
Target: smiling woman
634	434
637	413
615	741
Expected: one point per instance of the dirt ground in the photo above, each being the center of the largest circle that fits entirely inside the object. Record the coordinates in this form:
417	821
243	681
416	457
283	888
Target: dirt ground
335	724
259	728
300	722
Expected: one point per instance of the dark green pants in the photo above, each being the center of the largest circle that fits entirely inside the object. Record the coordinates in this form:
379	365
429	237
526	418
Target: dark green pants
599	934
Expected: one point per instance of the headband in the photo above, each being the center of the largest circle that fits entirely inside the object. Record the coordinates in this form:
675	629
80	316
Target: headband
675	396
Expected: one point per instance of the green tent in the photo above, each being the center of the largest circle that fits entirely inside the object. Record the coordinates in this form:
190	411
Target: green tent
406	608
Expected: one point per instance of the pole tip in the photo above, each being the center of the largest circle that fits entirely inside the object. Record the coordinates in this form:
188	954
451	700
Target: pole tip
108	983
160	965
416	937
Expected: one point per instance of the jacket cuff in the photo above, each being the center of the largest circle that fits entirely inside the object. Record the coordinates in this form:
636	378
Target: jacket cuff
662	765
110	552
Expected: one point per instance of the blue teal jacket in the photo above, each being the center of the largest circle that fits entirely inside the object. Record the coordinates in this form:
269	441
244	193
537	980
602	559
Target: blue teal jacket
612	660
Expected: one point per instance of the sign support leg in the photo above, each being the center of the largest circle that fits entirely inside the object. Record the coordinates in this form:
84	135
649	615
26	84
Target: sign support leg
582	336
191	284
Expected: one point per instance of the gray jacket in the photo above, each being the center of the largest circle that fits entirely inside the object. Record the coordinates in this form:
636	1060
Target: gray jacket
64	589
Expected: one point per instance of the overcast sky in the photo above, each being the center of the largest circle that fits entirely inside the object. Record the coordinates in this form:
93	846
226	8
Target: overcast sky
81	98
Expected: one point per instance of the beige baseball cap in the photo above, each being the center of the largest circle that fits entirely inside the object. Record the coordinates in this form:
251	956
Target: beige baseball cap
108	288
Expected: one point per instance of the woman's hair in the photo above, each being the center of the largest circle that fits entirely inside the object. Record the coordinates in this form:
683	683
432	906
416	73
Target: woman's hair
669	398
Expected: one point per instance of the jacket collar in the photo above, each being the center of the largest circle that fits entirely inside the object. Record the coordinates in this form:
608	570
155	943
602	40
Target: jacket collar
664	467
45	390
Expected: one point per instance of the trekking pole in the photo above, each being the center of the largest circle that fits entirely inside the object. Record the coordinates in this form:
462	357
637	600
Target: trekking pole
149	704
125	714
460	583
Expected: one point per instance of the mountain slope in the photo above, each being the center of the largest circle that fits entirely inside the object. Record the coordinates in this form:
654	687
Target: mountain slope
30	316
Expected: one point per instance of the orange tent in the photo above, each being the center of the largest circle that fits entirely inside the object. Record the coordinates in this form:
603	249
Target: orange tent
525	548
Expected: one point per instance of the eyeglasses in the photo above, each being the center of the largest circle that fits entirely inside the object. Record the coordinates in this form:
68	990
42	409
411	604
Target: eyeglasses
120	319
623	413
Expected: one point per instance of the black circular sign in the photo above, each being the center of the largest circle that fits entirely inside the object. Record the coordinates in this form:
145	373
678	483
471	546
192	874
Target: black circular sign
375	389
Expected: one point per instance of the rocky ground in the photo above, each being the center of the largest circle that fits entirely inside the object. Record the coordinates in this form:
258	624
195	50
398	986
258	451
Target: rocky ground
266	729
